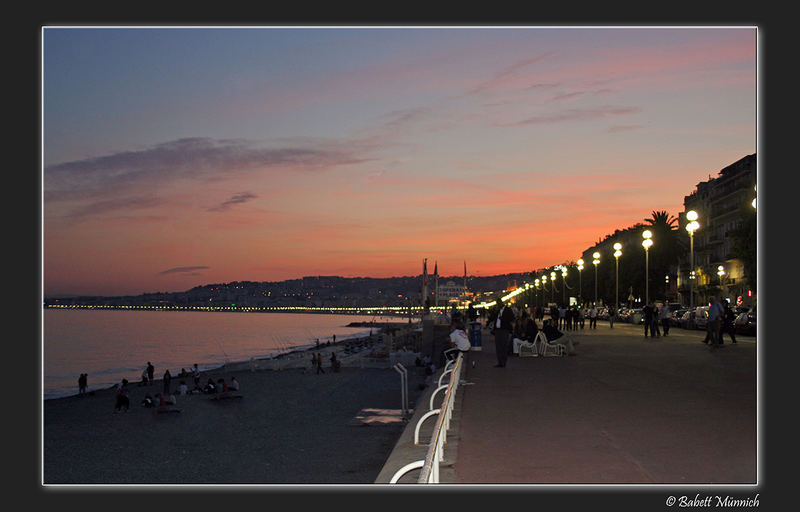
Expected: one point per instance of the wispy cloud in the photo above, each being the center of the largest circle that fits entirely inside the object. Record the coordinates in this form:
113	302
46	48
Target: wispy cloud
142	178
193	158
575	114
500	76
183	270
235	199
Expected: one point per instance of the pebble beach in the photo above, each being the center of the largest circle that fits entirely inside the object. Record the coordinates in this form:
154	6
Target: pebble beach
290	426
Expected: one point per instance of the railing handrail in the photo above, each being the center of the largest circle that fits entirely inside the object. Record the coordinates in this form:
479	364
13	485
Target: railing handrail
430	470
435	452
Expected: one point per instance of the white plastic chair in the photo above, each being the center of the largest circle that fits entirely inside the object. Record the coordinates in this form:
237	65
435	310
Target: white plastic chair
528	349
547	348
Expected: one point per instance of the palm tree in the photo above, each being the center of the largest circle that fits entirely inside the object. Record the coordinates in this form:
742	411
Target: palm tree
663	219
667	248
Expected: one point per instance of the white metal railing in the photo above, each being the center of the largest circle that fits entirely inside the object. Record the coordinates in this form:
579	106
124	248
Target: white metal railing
435	453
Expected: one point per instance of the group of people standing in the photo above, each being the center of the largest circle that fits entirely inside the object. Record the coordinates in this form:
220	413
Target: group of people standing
720	321
655	316
316	363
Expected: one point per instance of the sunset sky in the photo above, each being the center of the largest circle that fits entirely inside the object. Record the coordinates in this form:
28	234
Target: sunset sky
177	157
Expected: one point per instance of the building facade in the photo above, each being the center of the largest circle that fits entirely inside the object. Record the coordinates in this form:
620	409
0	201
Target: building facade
722	204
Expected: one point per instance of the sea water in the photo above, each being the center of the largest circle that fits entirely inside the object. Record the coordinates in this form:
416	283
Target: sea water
110	345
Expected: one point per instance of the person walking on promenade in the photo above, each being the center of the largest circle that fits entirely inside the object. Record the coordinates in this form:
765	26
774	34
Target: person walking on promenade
581	316
318	363
611	316
167	379
727	323
647	313
655	330
593	317
503	325
715	313
82	383
665	314
150	371
196	375
561	316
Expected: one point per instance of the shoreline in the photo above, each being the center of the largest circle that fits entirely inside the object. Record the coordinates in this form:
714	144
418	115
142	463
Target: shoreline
291	426
294	353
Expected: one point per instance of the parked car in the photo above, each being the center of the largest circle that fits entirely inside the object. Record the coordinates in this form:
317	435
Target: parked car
694	318
701	317
745	323
675	321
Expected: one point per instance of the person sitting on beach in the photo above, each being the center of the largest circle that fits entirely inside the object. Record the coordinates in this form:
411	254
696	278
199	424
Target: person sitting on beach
222	387
164	404
210	388
144	378
234	385
183	389
148	401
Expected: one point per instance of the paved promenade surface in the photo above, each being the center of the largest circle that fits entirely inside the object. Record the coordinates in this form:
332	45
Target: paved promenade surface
625	410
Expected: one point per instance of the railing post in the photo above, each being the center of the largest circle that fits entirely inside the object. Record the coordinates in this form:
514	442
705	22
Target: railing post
399	368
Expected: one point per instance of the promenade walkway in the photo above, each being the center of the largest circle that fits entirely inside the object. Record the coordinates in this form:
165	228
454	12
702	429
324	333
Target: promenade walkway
626	410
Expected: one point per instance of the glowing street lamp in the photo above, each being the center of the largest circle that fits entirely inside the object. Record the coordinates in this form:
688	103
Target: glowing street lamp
595	261
646	243
564	284
691	227
580	281
720	273
552	284
617	254
536	286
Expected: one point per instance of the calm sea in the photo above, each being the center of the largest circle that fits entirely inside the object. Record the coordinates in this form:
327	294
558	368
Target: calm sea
112	345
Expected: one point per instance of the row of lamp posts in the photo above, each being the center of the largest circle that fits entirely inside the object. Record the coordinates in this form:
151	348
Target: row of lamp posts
647	235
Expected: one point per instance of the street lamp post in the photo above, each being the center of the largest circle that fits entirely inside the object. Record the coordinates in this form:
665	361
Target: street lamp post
536	287
721	274
552	285
646	243
691	227
617	254
595	261
564	284
580	281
